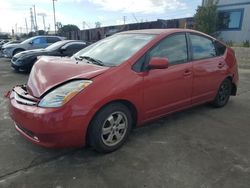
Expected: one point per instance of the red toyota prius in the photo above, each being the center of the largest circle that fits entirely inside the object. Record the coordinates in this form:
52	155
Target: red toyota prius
102	92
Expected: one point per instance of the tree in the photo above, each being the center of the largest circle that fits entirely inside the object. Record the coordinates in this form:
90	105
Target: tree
206	17
31	34
41	32
98	24
67	28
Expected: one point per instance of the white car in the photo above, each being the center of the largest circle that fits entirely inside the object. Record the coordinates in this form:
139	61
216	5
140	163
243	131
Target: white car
32	43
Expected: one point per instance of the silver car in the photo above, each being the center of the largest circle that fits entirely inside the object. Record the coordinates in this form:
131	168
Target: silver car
32	43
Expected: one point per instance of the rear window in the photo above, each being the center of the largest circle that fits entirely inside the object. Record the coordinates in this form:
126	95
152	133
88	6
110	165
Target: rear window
202	47
220	48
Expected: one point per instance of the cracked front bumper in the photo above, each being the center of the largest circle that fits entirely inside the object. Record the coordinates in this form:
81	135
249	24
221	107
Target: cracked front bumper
48	127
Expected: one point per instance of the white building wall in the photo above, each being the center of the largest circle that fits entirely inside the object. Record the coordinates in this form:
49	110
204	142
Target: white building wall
240	35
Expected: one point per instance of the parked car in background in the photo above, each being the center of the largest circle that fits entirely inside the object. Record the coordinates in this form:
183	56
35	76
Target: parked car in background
10	42
3	41
25	60
120	82
31	43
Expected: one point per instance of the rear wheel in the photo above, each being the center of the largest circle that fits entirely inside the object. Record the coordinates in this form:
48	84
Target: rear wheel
110	128
223	94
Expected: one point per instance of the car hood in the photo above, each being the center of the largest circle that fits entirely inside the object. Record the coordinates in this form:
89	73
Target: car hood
35	52
49	71
10	45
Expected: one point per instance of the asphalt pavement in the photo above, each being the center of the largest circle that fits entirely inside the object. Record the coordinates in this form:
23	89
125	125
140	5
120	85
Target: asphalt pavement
200	147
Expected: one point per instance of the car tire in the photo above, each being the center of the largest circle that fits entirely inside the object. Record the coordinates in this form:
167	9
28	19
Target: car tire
16	51
110	128
223	94
16	69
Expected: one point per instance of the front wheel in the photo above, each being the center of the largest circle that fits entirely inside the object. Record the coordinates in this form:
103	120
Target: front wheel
17	51
110	128
223	94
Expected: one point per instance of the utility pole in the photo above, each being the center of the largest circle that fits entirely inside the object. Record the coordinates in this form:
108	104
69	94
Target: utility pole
16	27
36	28
124	20
43	16
54	14
21	30
32	26
135	18
26	26
83	24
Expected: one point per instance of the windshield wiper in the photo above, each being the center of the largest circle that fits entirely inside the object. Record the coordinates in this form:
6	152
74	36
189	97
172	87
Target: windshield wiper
93	60
77	58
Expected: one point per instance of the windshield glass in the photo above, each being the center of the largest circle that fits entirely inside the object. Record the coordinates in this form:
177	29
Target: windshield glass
27	40
116	49
55	46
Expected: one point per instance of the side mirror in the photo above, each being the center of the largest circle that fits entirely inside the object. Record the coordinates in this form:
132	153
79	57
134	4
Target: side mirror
62	49
158	63
31	42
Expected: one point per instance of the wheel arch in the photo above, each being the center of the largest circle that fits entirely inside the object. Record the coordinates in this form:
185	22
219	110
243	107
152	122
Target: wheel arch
234	87
127	103
17	49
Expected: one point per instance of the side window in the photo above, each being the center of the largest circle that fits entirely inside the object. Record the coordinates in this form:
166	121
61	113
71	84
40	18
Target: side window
230	19
40	40
220	48
202	47
52	39
173	47
74	47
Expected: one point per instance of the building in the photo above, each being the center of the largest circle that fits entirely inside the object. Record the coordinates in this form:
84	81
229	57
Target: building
234	20
95	34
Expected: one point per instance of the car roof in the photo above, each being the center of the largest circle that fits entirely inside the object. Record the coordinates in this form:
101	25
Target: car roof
163	31
160	31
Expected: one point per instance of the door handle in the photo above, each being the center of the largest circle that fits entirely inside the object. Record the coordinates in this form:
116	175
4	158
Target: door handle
221	65
187	72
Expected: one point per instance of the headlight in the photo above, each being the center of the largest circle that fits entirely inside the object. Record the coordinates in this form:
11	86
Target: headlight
8	48
63	94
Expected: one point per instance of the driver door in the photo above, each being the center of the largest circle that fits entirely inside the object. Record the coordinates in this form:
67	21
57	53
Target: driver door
170	89
39	42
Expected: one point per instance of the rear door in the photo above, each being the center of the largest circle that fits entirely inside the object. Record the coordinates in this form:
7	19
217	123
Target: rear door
167	90
209	67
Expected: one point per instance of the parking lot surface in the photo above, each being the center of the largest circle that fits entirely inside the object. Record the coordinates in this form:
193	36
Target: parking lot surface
200	147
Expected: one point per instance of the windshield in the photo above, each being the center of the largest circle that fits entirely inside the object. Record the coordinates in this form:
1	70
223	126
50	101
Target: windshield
28	40
55	45
116	49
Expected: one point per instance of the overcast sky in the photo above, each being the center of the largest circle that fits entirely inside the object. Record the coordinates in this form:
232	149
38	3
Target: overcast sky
108	12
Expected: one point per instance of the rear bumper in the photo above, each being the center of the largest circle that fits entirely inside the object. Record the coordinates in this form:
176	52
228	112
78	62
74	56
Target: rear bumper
49	127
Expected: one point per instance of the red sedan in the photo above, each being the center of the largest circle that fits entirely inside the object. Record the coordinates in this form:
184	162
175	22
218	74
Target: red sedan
120	82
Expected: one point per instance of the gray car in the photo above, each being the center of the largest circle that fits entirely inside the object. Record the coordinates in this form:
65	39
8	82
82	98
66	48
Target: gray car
29	44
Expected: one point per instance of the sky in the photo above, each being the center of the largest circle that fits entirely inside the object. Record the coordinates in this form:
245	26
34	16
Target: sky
85	13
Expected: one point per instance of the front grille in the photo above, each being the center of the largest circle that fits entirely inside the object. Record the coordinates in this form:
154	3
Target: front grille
21	96
23	100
